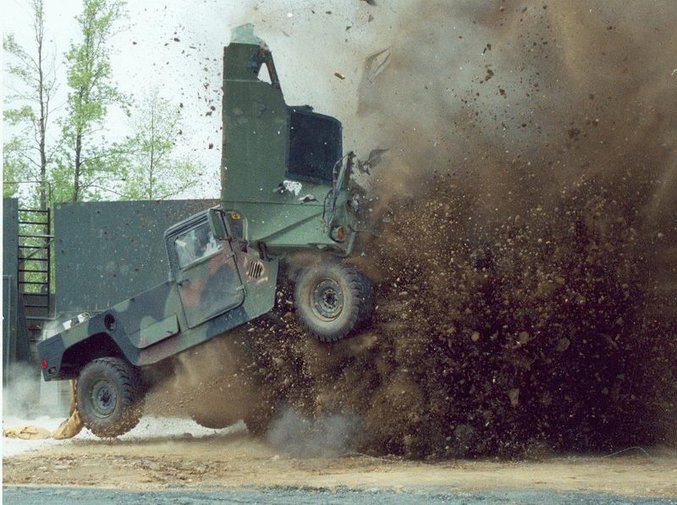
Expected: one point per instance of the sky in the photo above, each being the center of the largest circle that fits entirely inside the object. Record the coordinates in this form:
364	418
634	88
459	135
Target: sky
177	46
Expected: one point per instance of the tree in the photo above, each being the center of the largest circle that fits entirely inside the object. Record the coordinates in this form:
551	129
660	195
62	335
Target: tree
154	171
15	161
13	166
28	157
89	162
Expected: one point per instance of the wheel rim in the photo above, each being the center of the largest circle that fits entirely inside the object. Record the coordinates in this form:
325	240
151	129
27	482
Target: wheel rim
327	299
104	399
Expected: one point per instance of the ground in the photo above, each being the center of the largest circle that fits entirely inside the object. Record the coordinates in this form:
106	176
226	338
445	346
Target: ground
189	457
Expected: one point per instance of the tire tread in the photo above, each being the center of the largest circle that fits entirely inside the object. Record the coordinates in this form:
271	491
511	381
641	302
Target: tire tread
361	289
131	398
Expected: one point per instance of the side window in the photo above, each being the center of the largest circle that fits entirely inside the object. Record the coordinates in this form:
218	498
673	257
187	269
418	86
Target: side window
195	244
314	146
264	75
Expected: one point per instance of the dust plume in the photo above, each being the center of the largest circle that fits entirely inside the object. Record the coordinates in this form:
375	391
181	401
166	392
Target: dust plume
324	436
21	392
526	286
210	384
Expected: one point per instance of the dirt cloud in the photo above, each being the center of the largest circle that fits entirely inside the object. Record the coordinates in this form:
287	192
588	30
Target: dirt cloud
526	288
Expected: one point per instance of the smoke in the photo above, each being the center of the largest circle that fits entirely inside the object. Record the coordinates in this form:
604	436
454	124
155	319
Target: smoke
526	286
529	101
21	392
208	383
325	436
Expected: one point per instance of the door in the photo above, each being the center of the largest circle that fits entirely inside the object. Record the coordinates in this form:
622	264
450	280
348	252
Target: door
208	280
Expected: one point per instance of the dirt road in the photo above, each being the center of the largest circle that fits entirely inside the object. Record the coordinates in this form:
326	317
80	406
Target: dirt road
236	460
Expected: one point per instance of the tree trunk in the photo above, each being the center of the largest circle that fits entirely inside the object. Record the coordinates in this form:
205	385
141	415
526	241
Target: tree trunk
43	98
42	135
78	163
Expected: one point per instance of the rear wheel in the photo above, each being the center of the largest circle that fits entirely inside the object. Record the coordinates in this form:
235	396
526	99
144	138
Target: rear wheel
257	419
333	300
215	404
257	423
210	421
109	396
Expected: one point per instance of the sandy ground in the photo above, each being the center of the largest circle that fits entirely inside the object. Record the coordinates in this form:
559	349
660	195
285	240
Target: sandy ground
186	455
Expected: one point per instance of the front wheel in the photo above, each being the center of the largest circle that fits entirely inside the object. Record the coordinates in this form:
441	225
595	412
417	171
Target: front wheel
109	396
333	300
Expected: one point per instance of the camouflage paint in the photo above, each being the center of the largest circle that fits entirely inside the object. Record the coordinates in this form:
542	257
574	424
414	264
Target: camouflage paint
153	325
273	157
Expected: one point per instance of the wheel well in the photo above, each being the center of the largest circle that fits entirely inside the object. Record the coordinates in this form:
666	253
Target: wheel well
96	346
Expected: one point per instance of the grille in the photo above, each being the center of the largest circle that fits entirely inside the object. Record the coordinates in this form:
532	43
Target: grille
255	270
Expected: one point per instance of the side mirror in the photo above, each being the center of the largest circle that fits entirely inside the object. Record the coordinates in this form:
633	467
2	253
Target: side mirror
217	224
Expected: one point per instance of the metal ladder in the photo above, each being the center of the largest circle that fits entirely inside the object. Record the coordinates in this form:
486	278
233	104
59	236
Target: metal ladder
34	258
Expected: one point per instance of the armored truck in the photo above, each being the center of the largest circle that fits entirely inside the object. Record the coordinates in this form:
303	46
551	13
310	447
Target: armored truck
286	189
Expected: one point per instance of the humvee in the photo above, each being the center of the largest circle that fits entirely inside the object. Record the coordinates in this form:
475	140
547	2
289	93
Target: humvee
286	188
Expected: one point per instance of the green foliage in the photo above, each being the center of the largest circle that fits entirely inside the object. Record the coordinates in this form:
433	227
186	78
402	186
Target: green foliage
17	163
100	173
154	171
90	160
21	64
14	166
83	164
27	153
17	116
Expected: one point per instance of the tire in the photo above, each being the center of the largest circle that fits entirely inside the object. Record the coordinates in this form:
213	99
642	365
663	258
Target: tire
213	405
211	420
109	396
256	417
257	425
333	300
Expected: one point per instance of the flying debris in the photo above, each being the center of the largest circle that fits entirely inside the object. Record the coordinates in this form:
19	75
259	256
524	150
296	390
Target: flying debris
375	157
376	63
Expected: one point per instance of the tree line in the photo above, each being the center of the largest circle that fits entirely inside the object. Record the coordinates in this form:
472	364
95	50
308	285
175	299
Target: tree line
65	154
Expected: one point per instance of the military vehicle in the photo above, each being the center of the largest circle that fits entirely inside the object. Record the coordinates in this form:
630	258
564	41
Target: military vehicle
286	189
